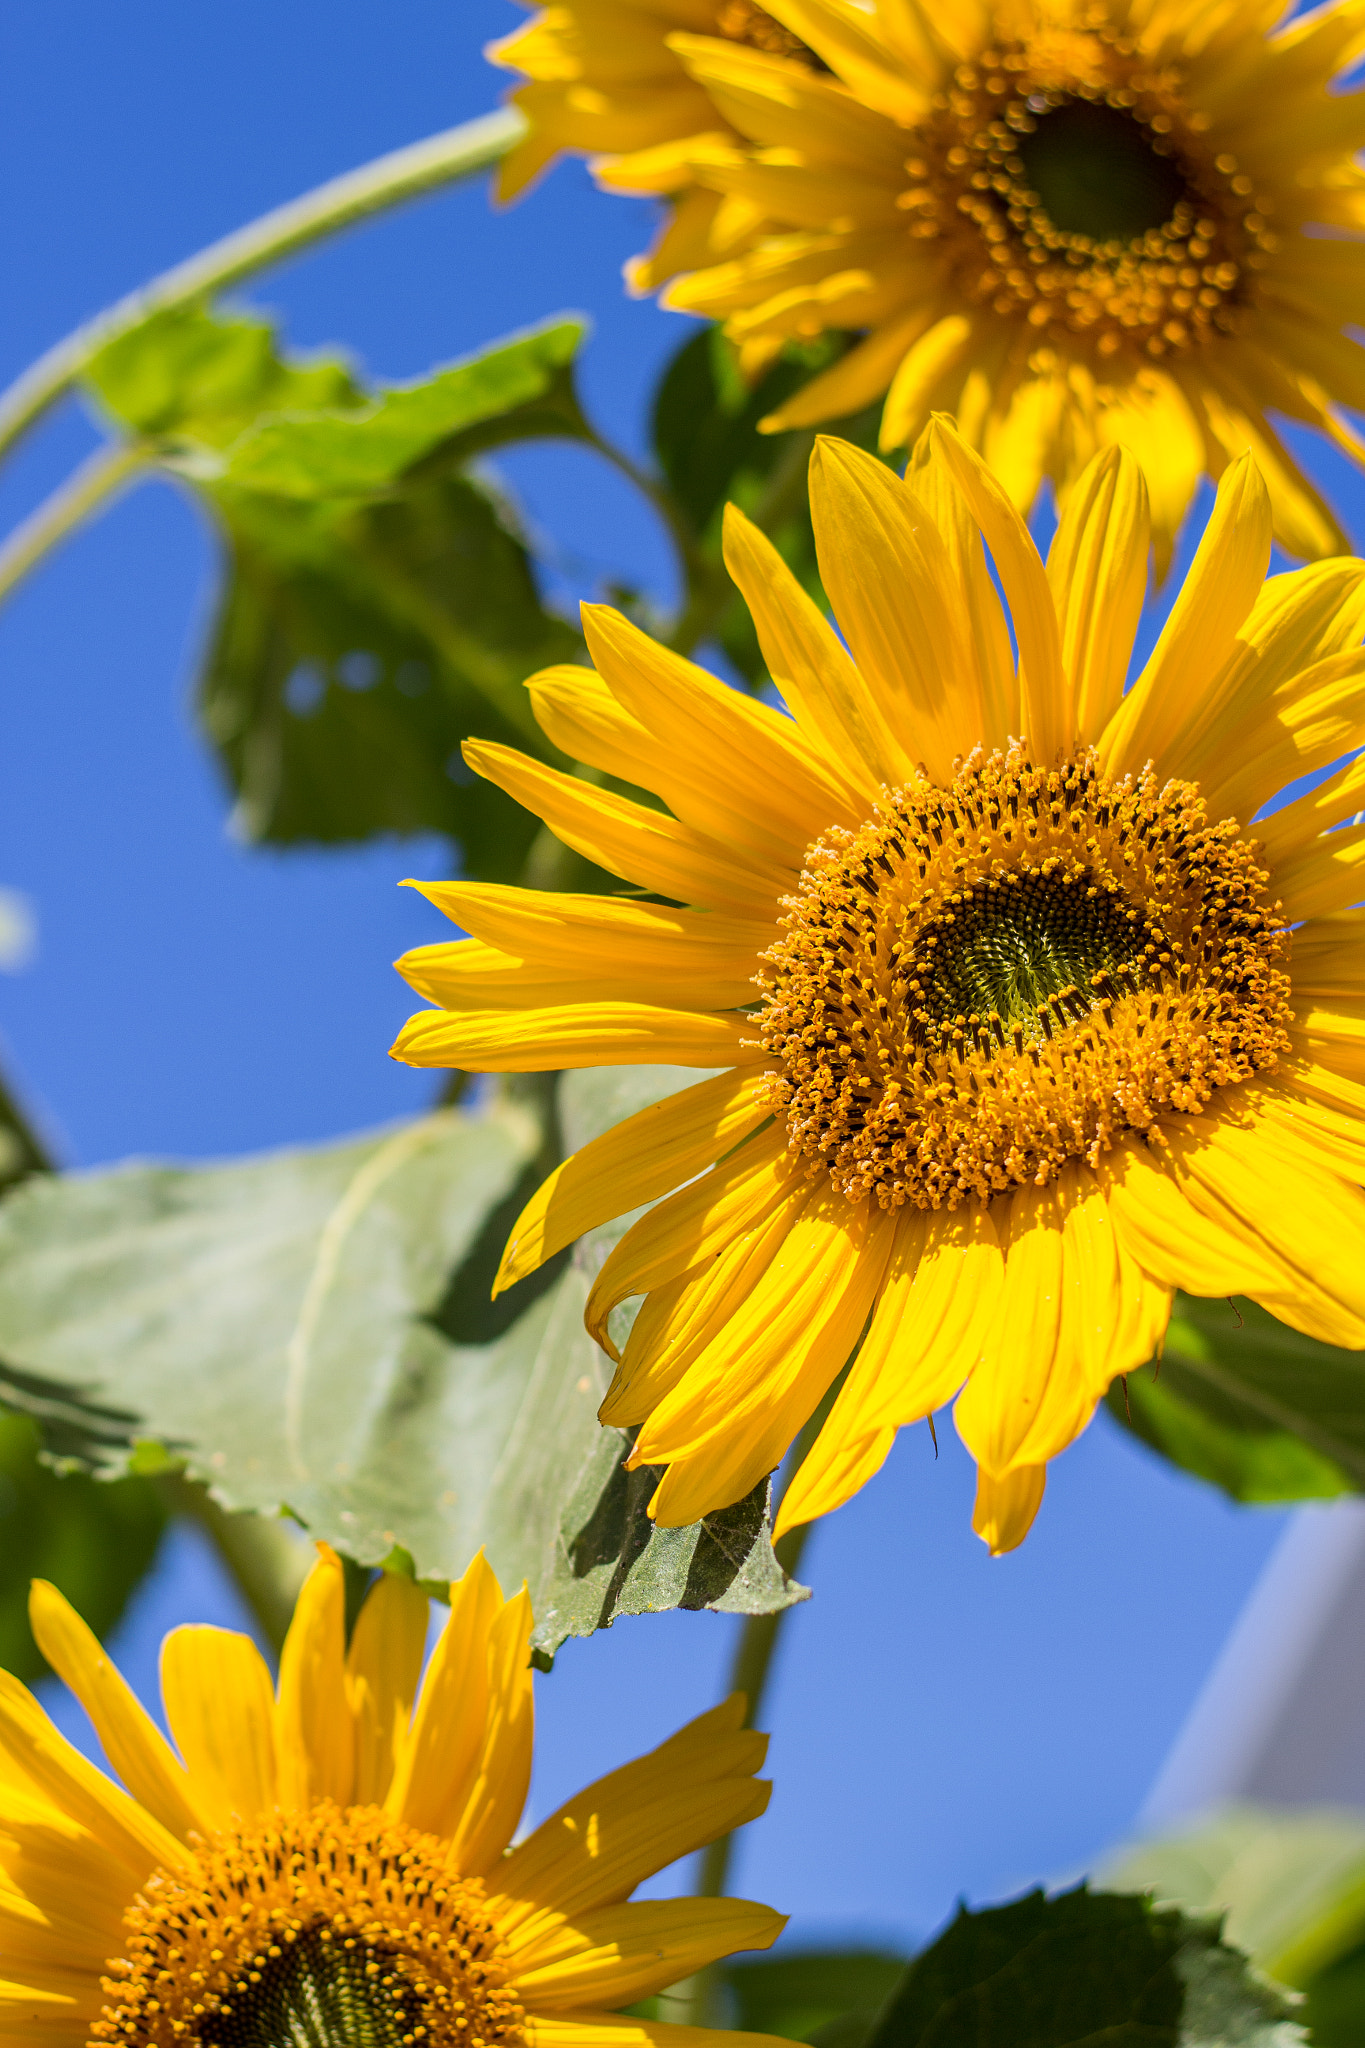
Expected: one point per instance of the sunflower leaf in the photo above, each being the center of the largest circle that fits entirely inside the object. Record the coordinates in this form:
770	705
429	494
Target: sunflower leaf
1258	1409
829	1997
378	602
93	1542
1082	1969
311	1329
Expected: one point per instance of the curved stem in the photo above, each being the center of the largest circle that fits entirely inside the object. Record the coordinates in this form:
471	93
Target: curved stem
98	479
690	563
750	1671
402	174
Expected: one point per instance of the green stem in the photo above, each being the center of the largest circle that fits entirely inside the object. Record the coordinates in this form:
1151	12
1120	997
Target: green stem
750	1671
100	477
387	181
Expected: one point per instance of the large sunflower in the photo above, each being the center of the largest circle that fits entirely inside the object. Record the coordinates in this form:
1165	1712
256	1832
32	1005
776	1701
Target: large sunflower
1000	981
330	1867
1069	224
602	80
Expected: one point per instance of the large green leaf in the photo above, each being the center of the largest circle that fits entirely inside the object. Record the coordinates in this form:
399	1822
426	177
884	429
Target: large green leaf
1292	1889
1082	1969
1244	1401
312	1329
379	605
94	1542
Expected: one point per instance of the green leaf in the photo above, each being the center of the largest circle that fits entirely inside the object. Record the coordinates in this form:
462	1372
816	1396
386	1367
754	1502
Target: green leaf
710	451
93	1542
830	1997
312	1329
378	605
1082	1969
521	389
188	376
1334	2007
1245	1402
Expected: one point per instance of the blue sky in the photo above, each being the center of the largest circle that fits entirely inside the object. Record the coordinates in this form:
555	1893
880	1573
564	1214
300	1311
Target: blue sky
942	1723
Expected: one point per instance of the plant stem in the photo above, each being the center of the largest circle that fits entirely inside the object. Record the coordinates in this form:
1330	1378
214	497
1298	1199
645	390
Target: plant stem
387	181
100	477
750	1671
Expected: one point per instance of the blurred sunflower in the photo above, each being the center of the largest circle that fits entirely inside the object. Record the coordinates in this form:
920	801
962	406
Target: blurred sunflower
1001	987
602	79
1069	224
331	1866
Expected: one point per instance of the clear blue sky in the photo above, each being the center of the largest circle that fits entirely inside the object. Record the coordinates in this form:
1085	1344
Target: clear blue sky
942	1723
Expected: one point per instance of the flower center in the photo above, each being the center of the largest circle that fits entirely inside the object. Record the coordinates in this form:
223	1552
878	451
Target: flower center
325	1930
1096	173
744	21
987	981
1070	185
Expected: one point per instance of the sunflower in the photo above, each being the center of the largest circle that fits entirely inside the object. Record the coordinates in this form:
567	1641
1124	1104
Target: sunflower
1000	986
329	1866
602	79
1069	224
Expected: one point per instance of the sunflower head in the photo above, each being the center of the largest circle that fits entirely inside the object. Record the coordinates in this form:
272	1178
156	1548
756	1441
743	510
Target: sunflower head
1016	1020
1069	226
328	1863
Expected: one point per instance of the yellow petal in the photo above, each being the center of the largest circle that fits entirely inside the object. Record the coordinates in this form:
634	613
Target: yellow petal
837	1466
220	1707
974	592
1004	1510
623	1953
636	1161
1097	567
502	1775
1044	698
1224	582
614	2030
777	797
734	1413
858	377
467	974
1151	417
383	1665
694	1224
888	576
679	1320
437	1761
939	1302
576	1035
541	925
132	1742
643	846
807	661
316	1734
45	1760
919	373
599	1845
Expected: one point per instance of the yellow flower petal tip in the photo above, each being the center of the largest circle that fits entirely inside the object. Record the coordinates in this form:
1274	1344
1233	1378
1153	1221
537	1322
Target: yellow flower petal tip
332	1863
1005	1509
1067	228
1017	1027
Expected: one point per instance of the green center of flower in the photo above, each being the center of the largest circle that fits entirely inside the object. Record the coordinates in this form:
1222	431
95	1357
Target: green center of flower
1096	173
330	1929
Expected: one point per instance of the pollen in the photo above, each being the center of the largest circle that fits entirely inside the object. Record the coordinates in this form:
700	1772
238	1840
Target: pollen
1069	184
329	1928
989	980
